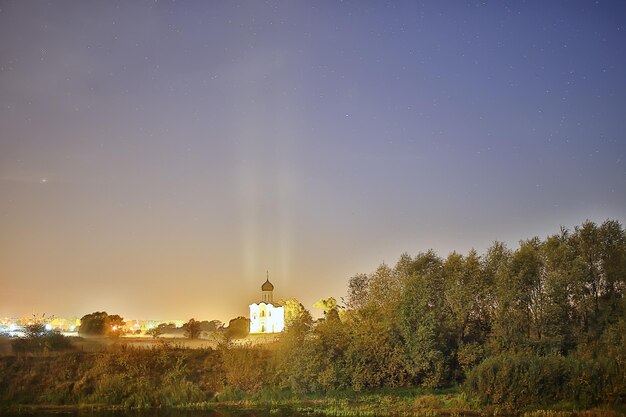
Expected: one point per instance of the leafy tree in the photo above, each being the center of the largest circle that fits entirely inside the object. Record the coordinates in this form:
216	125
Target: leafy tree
36	329
358	291
192	329
326	305
238	328
115	325
561	276
423	322
155	332
166	327
39	339
384	288
374	353
101	324
464	299
211	326
93	324
294	311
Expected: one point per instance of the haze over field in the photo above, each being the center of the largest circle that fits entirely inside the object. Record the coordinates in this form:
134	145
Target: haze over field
157	158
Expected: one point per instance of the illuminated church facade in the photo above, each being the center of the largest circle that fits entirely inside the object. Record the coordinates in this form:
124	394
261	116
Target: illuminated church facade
265	316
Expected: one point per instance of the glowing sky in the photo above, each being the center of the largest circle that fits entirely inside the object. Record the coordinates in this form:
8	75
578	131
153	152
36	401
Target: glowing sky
156	158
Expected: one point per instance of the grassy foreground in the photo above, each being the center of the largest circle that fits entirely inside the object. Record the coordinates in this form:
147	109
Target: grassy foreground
385	402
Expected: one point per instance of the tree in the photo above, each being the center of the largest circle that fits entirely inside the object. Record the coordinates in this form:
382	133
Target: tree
93	324
101	324
39	339
115	325
192	328
423	321
561	276
462	296
35	330
326	305
358	291
294	311
211	326
155	332
520	296
238	328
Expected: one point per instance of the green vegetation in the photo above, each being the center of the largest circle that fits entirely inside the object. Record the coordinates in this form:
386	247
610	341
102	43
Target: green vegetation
40	340
164	376
542	326
101	324
192	329
238	328
155	332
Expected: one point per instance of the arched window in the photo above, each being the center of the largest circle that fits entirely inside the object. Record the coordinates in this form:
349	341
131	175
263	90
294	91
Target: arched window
262	313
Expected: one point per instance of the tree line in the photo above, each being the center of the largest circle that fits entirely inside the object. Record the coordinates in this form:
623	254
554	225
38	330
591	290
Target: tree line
437	322
101	323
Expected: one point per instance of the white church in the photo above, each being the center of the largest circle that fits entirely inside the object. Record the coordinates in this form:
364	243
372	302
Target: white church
265	316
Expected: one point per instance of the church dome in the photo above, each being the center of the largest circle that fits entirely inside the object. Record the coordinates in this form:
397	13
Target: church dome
267	286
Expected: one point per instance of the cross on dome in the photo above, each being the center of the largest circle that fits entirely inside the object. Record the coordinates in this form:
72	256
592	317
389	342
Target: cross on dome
267	285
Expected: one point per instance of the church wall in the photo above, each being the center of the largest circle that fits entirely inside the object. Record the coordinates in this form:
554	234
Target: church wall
266	318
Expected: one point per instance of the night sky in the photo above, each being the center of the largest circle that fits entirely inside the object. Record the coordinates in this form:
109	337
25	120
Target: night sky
156	158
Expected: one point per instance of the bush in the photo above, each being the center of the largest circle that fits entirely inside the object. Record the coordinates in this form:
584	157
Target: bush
47	341
245	368
518	381
507	380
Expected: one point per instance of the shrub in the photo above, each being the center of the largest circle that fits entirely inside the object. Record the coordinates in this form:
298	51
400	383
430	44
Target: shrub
526	380
519	380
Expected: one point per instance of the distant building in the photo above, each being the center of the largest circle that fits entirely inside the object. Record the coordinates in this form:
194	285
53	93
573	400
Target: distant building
265	316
